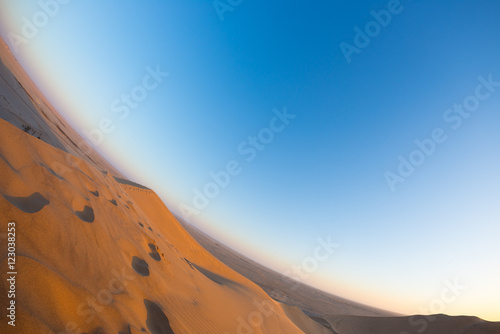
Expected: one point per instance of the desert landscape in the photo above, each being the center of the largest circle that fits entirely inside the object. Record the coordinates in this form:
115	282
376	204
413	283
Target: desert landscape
97	253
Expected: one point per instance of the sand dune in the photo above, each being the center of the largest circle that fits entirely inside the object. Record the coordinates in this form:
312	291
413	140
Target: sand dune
437	324
314	302
334	313
86	263
303	321
97	253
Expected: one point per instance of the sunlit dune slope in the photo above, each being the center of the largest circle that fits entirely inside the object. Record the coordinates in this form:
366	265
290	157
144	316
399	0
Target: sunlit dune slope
98	256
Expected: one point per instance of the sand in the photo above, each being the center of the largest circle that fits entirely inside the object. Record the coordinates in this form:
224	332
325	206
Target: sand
84	262
286	290
97	253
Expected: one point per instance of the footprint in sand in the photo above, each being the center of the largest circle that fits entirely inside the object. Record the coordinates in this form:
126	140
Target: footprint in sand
114	202
141	224
31	204
87	214
95	193
154	252
157	322
140	266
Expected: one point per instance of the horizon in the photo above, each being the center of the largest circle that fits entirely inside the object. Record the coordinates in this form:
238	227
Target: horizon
279	139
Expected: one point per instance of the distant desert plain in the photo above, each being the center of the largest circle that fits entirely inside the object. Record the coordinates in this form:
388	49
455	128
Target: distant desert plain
85	250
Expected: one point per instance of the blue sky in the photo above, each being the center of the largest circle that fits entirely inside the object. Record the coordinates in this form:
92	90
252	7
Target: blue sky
325	172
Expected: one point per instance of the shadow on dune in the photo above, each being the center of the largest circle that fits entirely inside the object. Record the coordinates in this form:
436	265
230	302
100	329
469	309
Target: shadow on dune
87	215
51	171
216	278
157	322
140	266
154	252
129	183
31	204
126	330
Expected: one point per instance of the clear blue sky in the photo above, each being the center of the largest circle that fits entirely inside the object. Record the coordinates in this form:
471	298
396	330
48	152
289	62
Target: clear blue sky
357	104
